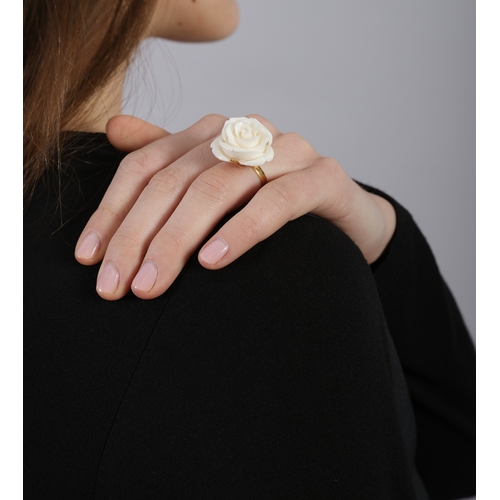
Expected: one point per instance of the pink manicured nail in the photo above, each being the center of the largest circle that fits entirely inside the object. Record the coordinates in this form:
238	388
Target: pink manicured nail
108	279
146	277
89	246
214	251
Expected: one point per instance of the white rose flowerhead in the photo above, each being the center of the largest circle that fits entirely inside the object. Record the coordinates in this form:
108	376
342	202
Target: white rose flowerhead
244	140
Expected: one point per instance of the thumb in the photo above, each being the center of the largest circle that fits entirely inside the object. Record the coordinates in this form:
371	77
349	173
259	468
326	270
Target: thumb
129	133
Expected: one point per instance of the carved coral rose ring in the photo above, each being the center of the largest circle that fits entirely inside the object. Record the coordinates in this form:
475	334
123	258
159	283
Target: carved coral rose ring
246	143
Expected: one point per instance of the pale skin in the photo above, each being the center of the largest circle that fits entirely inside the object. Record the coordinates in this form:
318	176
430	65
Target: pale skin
170	191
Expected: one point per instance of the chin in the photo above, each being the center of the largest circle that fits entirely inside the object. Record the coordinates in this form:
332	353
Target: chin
203	22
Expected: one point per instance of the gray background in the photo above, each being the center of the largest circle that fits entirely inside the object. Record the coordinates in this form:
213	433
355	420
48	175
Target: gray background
386	87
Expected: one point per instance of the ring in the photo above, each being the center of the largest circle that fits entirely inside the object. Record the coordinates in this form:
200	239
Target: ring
246	143
257	170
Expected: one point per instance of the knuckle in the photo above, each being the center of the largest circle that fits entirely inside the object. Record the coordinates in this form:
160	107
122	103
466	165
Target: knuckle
171	239
214	118
295	141
257	117
212	123
333	169
106	212
213	185
124	239
138	164
168	180
249	227
280	196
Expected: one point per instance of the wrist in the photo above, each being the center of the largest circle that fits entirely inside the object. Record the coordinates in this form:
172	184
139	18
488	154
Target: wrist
386	228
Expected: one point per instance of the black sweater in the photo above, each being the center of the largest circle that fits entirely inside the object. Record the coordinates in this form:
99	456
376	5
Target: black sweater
298	371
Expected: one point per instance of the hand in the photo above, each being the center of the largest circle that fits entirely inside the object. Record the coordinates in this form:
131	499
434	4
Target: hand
167	197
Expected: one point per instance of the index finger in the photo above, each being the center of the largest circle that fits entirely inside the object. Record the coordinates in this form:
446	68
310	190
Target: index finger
132	176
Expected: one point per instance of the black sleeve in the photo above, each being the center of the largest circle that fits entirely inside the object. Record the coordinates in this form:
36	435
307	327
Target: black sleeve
437	355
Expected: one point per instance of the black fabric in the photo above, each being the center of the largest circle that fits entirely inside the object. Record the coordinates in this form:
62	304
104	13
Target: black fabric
275	377
437	355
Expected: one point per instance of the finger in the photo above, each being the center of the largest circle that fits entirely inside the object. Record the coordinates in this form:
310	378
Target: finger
132	176
129	133
213	194
149	214
315	189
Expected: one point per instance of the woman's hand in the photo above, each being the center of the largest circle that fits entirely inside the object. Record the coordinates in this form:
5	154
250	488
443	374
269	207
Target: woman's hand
169	194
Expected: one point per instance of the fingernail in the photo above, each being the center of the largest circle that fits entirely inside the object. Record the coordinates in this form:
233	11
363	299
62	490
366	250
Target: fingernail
214	251
108	279
89	246
146	277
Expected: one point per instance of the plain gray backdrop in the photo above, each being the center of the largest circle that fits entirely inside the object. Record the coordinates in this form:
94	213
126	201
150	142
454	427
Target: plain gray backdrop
386	87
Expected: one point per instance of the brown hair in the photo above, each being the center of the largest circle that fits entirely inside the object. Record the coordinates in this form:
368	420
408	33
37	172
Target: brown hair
72	48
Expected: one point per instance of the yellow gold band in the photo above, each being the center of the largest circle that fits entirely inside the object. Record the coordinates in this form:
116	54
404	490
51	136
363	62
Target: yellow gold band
261	174
257	170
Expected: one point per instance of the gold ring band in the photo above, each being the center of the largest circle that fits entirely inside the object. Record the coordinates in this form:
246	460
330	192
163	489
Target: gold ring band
257	170
261	174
